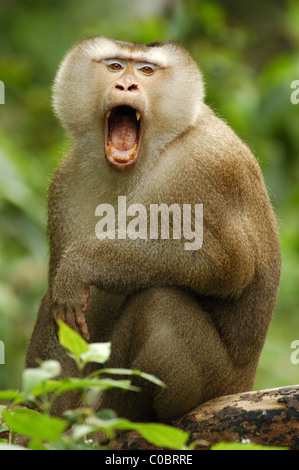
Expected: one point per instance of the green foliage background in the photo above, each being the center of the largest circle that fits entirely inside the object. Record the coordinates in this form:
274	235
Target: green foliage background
249	55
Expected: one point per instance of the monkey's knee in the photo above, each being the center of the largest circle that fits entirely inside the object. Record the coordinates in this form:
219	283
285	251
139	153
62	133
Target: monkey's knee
160	333
166	333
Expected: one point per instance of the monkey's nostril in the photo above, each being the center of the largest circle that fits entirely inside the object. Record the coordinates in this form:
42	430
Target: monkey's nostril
133	87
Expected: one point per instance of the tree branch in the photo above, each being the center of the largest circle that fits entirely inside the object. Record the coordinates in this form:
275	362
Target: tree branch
266	417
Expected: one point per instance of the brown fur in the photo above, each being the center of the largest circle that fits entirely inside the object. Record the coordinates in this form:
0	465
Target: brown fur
195	319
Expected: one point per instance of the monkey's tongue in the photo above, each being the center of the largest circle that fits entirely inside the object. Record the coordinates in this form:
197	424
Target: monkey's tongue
124	133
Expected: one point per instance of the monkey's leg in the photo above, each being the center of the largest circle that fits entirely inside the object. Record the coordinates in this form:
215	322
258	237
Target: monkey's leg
44	345
165	332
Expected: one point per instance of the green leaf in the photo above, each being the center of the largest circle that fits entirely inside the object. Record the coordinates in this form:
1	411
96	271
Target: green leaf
11	447
105	384
144	375
45	387
243	446
36	444
32	378
3	426
6	395
160	435
81	430
71	340
97	352
149	377
73	383
106	414
34	425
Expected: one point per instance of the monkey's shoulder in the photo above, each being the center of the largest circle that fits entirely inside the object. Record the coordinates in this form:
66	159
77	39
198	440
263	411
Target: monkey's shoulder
211	150
214	136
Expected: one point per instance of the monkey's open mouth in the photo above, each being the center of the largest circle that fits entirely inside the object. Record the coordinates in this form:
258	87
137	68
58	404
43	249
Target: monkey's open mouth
122	136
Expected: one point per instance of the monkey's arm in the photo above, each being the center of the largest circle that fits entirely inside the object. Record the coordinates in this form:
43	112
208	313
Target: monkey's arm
131	265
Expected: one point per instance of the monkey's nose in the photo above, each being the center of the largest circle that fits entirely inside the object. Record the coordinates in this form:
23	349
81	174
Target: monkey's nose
131	86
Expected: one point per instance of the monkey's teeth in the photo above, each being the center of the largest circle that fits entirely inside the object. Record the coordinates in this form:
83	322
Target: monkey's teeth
108	114
138	115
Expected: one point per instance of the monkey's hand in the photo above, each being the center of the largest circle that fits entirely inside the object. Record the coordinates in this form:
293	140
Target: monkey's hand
72	313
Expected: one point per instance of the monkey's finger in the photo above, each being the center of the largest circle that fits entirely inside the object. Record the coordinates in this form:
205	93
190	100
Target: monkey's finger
81	324
62	313
66	315
59	314
69	317
55	317
85	298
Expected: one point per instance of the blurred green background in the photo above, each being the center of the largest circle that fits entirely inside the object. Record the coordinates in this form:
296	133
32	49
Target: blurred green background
249	55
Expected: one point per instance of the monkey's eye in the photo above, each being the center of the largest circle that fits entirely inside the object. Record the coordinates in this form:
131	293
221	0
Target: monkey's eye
146	69
114	65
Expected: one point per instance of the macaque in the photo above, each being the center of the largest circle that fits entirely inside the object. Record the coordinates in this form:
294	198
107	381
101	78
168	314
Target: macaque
196	318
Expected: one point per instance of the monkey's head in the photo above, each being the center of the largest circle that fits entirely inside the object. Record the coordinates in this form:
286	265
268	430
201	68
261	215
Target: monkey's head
127	100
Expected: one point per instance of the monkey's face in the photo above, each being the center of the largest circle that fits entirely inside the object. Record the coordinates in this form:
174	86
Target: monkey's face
125	106
130	80
129	99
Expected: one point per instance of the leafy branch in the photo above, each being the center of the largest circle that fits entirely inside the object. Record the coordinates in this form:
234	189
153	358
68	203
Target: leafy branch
40	388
